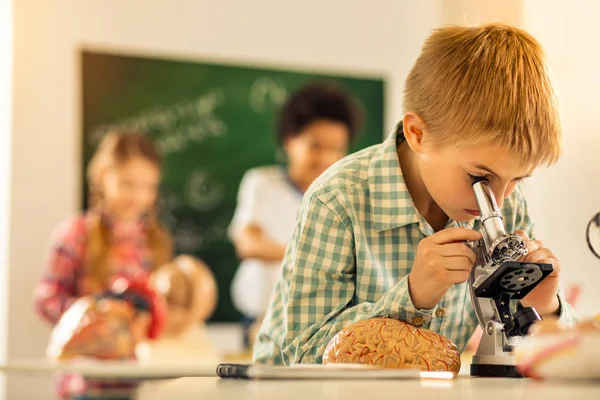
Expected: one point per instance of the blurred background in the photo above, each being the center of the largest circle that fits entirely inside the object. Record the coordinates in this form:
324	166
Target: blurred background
224	67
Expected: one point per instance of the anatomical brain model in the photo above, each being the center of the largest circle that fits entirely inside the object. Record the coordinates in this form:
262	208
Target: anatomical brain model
113	324
190	290
108	325
389	343
557	351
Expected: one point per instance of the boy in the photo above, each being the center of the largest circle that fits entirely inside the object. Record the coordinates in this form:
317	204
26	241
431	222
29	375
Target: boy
380	233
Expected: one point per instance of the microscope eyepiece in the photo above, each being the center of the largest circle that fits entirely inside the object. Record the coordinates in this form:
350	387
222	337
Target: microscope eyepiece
476	179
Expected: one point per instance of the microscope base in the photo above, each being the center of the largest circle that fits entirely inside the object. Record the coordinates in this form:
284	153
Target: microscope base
496	371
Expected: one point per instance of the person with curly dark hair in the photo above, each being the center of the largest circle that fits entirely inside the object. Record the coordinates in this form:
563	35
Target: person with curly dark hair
316	126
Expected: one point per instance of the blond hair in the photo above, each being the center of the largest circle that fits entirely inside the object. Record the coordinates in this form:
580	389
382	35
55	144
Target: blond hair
116	149
486	85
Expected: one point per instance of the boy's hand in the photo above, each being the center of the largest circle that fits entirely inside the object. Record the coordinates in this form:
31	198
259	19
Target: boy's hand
442	260
544	296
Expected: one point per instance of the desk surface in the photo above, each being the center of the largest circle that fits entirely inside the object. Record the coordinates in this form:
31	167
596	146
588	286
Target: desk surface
460	388
463	387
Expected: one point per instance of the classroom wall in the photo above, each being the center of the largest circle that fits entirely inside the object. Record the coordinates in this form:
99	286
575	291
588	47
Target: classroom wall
6	44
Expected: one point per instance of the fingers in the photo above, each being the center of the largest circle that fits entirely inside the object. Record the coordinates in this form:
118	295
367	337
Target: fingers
552	261
522	233
457	277
533	246
458	249
452	235
458	263
544	256
537	255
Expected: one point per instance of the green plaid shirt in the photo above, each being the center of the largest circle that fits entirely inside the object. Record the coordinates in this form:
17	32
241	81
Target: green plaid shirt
349	258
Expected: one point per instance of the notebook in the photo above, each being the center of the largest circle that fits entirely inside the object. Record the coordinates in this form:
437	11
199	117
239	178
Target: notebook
329	371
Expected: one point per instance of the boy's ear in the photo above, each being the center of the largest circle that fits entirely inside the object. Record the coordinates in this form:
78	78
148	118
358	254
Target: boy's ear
414	131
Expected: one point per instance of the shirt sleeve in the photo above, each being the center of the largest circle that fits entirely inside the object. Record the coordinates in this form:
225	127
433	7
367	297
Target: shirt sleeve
314	298
250	207
57	290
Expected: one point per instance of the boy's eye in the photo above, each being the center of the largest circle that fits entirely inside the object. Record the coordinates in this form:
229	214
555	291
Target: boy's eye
474	177
488	177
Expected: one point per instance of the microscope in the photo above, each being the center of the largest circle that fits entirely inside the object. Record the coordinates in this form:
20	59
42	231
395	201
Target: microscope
497	280
592	235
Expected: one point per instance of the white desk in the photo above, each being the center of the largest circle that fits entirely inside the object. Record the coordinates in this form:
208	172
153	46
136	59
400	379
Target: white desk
26	386
462	387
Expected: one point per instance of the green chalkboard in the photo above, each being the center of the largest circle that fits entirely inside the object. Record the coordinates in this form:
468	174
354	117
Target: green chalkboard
212	122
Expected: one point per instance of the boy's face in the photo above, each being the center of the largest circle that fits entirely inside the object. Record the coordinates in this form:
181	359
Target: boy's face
447	174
